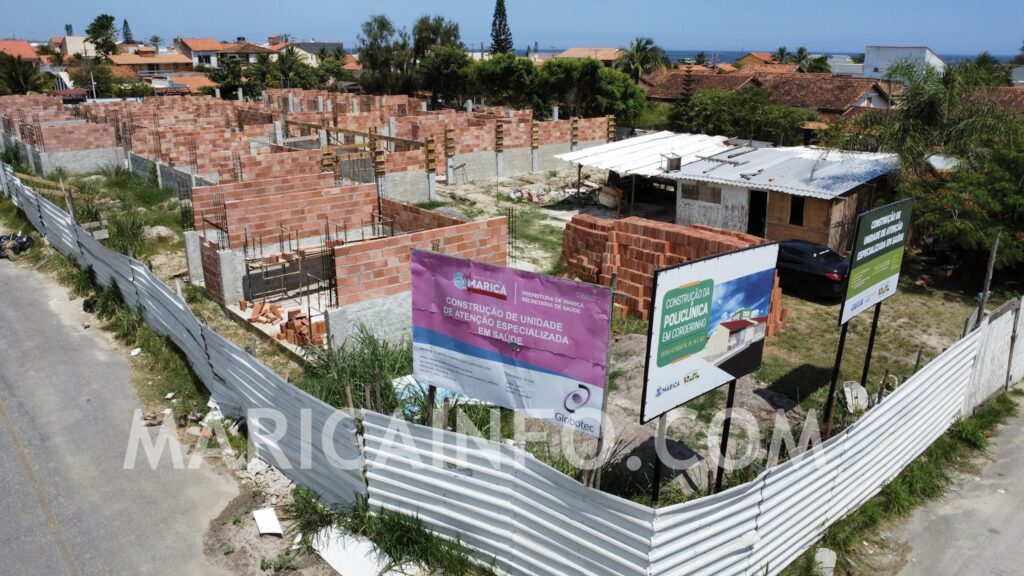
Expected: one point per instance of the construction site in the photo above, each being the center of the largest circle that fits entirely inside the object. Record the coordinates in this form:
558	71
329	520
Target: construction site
300	210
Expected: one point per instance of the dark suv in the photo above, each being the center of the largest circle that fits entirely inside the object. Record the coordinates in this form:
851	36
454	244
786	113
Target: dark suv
811	269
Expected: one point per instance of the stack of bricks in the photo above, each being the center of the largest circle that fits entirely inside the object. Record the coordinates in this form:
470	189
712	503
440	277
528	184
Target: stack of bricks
296	329
594	249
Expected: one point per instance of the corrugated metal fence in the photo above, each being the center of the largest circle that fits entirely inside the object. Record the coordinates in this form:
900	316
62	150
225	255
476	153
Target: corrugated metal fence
521	514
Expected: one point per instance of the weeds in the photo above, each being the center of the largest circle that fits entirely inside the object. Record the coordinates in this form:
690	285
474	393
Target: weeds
127	233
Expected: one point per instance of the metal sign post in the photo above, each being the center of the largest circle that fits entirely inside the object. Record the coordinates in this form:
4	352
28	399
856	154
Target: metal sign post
720	475
835	379
871	345
659	439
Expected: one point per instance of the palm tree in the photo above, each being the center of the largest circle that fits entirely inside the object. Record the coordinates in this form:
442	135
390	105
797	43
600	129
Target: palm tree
781	54
801	56
642	58
154	41
20	77
701	59
287	60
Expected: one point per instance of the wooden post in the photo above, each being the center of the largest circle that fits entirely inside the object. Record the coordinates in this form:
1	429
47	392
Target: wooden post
431	397
444	414
988	277
720	476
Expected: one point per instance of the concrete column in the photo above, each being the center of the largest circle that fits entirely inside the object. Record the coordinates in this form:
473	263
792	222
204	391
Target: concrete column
159	174
382	186
264	97
291	103
449	166
330	106
431	185
323	138
278	132
232	275
469	105
194	257
355	106
554	112
423	106
500	157
392	131
534	160
216	93
319	103
241	94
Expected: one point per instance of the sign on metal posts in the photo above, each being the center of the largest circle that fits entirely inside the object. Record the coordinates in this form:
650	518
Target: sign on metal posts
525	341
877	256
708	323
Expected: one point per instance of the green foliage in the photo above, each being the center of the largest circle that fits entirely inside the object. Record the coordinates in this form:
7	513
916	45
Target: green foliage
306	517
127	233
432	32
103	34
985	70
641	58
131	89
444	71
78	281
126	33
586	88
366	364
501	34
961	214
387	58
748	113
505	79
20	77
654	117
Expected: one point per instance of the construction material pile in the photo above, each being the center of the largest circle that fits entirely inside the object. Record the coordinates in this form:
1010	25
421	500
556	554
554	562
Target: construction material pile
295	327
594	249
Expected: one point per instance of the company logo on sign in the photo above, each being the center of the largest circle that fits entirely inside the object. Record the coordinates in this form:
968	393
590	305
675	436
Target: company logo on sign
484	287
666	388
576	399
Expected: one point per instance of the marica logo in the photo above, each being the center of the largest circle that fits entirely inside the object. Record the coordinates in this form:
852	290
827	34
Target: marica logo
577	399
492	288
663	389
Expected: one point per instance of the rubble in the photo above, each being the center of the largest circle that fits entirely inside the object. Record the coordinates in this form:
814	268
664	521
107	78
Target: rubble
267	480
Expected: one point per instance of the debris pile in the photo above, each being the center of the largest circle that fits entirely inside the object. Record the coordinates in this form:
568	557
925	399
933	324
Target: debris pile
13	244
296	328
266	480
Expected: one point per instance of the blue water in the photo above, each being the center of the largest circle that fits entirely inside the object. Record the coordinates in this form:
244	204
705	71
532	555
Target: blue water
717	56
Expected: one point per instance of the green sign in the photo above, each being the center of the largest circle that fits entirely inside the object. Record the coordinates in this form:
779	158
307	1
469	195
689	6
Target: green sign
686	314
877	257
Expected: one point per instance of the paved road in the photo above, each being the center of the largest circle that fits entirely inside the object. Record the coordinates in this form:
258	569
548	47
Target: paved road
67	505
977	529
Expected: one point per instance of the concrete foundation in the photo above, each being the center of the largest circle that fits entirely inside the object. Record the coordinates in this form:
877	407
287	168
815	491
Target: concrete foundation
411	187
77	161
389	317
232	275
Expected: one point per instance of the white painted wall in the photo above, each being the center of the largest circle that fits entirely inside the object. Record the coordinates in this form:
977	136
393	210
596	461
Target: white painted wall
732	213
878	59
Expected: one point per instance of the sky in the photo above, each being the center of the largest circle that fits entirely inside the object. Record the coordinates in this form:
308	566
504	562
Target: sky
949	27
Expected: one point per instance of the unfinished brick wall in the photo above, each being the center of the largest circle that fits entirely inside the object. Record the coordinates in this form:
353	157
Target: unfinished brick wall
210	200
379	268
211	270
408	218
302	213
594	249
395	162
68	137
279	164
554	132
475	136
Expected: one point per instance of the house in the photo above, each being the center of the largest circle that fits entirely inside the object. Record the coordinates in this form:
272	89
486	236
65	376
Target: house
831	96
152	64
695	68
606	56
1008	98
72	45
843	65
725	68
310	51
185	83
670	85
755	58
787	193
246	52
878	59
202	51
773	68
16	48
1018	76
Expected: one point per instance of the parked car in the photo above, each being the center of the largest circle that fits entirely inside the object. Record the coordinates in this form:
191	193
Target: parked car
811	269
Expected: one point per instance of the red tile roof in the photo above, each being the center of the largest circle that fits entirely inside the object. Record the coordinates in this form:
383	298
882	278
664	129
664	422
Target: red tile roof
670	85
602	54
725	67
771	68
825	93
766	57
201	44
352	63
139	60
194	82
243	48
1007	98
696	68
17	48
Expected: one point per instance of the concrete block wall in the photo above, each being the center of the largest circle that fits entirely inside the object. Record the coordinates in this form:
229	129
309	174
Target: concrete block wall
79	161
303	213
68	137
381	268
210	199
408	218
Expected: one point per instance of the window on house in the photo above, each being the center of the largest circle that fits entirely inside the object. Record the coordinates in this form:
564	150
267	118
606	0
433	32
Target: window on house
204	59
796	210
711	194
688	192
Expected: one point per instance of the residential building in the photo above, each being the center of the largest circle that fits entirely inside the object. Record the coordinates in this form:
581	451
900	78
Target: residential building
670	85
879	59
606	56
152	64
246	52
830	96
725	68
755	58
20	48
695	68
842	65
71	45
310	51
771	68
202	51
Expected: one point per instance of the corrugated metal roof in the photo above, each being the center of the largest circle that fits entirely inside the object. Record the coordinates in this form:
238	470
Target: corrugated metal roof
800	171
643	155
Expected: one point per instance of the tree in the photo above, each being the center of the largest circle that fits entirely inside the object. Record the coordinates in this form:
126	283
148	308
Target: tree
288	61
102	34
584	87
985	70
748	113
816	65
799	57
936	111
857	58
959	215
501	35
20	77
229	77
154	41
126	33
387	58
781	54
84	73
505	79
445	73
431	32
1018	60
701	59
641	58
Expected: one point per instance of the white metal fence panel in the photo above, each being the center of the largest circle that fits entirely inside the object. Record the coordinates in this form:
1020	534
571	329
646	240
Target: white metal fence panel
1017	363
993	360
430	473
712	535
